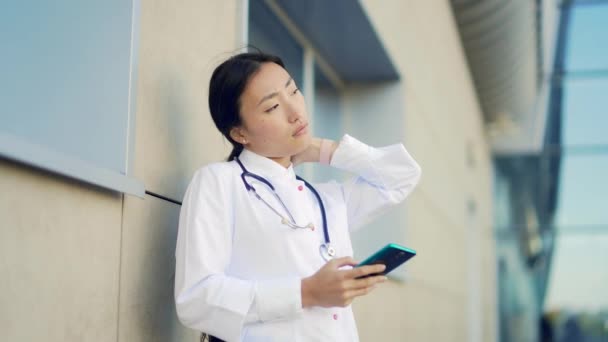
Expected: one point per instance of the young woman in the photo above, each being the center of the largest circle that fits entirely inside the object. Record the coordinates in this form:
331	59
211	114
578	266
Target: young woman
261	254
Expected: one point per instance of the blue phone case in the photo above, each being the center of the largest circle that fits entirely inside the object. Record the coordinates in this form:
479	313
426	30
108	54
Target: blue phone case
391	255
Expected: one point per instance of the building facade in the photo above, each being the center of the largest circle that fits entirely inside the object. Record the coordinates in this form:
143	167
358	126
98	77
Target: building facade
88	262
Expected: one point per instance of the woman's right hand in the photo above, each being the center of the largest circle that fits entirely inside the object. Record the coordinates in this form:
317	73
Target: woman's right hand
331	286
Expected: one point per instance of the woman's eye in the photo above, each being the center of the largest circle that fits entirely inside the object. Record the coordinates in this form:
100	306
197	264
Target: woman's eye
272	108
295	91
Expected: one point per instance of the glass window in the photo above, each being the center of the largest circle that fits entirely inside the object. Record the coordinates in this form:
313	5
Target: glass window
267	33
327	108
587	48
67	88
585	111
581	220
326	120
65	83
582	191
502	201
575	281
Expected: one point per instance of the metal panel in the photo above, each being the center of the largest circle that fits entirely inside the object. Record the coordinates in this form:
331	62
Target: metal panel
344	36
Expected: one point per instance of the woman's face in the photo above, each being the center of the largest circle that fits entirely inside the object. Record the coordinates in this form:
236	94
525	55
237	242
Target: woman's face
273	115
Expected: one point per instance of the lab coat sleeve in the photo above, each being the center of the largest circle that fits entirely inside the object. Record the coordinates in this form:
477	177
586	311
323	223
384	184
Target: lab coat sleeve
383	178
206	298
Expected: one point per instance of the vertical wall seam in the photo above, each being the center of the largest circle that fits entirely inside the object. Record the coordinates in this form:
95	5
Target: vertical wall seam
122	220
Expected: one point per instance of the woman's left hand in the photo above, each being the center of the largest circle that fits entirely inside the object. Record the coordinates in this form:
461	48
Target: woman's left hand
312	152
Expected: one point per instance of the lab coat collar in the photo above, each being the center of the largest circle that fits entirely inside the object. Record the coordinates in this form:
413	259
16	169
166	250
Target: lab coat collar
265	167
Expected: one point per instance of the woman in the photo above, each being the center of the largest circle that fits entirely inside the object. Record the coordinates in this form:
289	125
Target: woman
253	258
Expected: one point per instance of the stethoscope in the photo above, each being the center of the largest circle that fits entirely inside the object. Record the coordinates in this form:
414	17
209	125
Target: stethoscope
326	250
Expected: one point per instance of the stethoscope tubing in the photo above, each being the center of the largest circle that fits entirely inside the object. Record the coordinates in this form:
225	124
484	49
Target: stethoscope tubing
245	173
322	207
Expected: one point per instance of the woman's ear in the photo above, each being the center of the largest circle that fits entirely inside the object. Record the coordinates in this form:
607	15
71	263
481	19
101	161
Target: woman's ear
236	133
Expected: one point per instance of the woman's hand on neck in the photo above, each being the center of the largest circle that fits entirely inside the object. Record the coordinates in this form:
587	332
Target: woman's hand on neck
312	153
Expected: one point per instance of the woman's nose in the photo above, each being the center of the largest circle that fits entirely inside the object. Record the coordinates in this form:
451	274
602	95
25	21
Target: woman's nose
295	117
294	113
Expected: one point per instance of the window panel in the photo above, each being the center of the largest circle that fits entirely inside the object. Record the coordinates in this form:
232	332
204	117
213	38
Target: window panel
67	90
326	120
268	34
587	48
585	111
583	190
576	283
65	81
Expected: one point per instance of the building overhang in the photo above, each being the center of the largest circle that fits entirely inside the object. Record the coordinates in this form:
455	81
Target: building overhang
343	34
509	47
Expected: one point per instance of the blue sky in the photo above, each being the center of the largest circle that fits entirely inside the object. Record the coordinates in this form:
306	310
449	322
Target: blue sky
579	276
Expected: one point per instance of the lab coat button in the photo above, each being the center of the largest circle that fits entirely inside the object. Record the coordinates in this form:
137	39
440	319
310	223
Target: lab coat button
300	188
335	317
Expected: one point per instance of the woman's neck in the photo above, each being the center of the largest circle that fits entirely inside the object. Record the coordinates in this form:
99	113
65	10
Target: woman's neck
283	161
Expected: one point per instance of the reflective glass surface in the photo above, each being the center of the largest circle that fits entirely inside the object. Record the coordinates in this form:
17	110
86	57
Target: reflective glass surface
585	110
326	121
578	280
587	45
268	34
583	191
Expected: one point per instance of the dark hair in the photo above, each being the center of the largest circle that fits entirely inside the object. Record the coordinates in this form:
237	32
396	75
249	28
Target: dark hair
226	87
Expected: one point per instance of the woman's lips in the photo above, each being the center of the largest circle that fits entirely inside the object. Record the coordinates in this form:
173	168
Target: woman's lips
301	130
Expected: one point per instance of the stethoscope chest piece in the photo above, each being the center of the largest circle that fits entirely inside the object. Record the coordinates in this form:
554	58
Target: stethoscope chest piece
328	252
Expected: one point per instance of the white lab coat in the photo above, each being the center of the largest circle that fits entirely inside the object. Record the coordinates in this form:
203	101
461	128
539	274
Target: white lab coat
239	270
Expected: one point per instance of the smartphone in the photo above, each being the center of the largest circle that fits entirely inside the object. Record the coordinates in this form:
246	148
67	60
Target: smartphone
391	255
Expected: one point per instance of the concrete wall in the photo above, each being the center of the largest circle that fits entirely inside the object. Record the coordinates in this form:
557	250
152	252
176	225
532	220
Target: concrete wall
442	121
80	263
59	258
83	264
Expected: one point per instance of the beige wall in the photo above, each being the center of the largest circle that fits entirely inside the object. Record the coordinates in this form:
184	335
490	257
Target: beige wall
80	263
442	117
59	258
83	264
